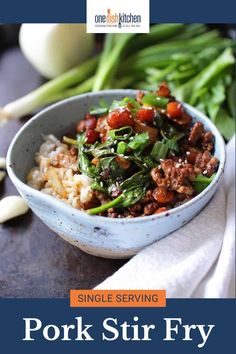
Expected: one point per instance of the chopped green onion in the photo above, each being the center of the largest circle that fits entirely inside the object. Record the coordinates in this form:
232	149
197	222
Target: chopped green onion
159	150
154	100
121	148
122	133
201	182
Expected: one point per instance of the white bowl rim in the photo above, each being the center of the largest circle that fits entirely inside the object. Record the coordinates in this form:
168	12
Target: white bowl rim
97	218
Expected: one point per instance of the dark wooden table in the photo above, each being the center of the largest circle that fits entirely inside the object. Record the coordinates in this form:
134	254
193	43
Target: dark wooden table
35	262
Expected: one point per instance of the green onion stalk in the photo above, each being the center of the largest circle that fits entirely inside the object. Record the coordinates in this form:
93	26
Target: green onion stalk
50	91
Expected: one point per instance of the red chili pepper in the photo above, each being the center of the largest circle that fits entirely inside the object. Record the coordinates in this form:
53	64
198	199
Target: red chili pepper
91	123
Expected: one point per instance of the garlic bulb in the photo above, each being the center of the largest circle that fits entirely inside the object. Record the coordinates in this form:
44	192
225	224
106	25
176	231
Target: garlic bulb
54	48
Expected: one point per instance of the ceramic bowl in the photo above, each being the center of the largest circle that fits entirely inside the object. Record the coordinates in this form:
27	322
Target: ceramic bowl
100	236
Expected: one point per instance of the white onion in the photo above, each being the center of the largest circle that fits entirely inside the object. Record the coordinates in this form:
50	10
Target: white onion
54	48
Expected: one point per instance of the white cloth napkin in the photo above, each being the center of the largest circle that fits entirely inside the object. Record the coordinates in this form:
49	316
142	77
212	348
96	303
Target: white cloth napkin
195	261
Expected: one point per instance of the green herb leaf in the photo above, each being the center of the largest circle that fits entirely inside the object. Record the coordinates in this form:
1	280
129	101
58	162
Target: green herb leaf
127	101
134	188
99	111
132	196
84	163
168	131
102	109
98	186
225	124
172	145
139	142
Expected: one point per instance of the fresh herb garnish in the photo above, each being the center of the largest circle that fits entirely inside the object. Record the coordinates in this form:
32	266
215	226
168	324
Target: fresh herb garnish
139	142
84	164
101	109
133	188
161	148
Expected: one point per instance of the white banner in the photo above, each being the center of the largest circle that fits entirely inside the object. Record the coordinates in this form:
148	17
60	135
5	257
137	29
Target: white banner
118	16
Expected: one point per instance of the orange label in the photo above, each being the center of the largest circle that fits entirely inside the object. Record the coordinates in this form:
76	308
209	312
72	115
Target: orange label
117	298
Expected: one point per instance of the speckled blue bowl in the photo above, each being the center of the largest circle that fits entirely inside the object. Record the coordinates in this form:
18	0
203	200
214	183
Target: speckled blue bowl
100	236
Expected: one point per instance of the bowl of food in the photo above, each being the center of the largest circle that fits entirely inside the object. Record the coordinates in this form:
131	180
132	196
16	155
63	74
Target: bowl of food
114	171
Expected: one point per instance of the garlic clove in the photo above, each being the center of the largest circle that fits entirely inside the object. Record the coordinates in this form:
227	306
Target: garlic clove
2	175
2	162
11	207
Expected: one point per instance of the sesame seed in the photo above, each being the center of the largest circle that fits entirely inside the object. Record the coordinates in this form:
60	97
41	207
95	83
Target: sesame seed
187	152
204	172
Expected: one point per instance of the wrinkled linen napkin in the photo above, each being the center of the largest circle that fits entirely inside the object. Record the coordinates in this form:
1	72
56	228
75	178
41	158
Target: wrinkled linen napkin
195	261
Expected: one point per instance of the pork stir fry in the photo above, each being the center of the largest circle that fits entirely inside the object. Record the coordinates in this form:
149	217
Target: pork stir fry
139	157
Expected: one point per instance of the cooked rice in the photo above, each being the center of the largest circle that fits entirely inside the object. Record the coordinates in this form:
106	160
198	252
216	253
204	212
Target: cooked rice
56	155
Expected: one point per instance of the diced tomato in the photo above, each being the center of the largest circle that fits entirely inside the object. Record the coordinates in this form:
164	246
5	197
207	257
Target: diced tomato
102	125
174	109
145	115
91	123
162	195
81	126
163	90
120	118
88	116
91	136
